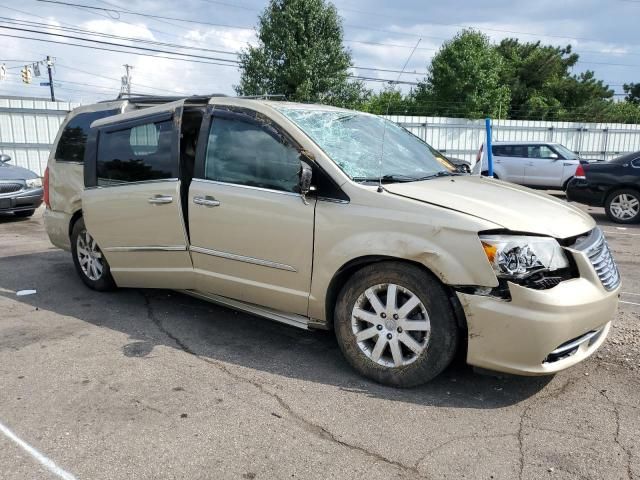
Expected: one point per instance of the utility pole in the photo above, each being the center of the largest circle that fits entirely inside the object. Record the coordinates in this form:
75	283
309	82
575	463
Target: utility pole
126	80
49	65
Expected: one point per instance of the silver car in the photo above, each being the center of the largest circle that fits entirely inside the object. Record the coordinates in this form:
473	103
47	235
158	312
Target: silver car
20	189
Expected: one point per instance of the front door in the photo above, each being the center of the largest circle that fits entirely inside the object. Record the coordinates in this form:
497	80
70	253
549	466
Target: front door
251	232
544	167
131	203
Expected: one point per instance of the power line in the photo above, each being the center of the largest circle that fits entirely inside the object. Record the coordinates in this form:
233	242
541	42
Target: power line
29	23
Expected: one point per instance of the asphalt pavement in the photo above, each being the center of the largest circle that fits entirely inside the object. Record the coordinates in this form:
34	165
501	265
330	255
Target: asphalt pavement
139	384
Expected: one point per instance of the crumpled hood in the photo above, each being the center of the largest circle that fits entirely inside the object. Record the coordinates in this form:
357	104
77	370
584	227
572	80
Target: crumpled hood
511	206
12	172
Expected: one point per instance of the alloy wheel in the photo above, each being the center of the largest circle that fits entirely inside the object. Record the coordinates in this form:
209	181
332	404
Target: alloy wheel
89	256
624	206
391	325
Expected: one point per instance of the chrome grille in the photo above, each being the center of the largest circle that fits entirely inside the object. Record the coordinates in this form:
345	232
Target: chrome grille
10	187
597	250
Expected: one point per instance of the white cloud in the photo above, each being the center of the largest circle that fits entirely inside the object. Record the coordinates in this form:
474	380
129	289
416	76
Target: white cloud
114	27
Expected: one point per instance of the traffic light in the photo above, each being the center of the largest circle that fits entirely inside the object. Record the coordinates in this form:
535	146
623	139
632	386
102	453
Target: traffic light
26	74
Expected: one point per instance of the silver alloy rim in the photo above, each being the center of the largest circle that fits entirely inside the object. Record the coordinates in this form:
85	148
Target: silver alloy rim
89	256
625	206
391	325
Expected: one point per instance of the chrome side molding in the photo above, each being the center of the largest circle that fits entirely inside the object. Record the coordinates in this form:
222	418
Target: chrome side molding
242	258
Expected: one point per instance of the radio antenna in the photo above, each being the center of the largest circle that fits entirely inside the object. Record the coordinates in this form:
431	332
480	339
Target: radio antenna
384	129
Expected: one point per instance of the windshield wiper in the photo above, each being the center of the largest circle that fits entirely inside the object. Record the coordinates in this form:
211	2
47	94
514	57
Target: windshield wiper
386	179
442	173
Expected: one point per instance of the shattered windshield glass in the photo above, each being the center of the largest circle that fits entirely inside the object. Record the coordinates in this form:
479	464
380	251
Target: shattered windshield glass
354	142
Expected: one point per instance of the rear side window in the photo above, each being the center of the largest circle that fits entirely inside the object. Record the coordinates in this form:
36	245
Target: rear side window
73	139
245	153
509	150
136	154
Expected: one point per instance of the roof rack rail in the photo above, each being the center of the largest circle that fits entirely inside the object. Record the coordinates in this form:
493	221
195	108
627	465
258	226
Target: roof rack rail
146	98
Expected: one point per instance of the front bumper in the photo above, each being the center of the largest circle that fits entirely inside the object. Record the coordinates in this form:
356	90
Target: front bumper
21	200
520	336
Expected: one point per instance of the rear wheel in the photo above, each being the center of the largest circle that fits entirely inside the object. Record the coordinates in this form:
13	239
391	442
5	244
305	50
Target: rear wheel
395	324
623	206
89	260
24	213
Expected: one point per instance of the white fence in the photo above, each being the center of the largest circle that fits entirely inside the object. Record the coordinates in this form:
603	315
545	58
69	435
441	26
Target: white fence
28	128
462	138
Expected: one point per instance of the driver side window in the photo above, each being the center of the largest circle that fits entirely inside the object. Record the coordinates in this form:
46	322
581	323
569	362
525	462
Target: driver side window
244	153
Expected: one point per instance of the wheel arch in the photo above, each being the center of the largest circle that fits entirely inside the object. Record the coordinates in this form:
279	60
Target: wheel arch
620	186
346	271
74	218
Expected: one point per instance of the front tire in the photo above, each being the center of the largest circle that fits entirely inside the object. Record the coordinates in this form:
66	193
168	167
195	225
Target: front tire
395	324
88	259
623	206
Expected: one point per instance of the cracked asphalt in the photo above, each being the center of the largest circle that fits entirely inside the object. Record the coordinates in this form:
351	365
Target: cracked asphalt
155	384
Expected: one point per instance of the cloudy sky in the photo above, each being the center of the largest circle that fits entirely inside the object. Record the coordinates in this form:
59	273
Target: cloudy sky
380	35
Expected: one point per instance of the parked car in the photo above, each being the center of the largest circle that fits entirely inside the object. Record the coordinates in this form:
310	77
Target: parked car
533	164
614	185
20	189
290	212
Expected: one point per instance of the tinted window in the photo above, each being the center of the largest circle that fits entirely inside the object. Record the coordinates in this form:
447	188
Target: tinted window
245	153
540	151
73	139
509	151
136	154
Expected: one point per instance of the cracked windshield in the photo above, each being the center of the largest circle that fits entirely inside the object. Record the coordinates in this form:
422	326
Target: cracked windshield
354	142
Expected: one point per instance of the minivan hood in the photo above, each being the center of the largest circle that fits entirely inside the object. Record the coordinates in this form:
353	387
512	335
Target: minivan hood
511	206
13	172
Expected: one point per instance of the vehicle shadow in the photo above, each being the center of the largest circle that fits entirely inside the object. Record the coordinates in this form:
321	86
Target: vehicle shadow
152	318
11	218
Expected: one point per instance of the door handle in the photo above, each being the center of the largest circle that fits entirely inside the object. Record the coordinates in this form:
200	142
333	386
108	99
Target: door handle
160	199
206	201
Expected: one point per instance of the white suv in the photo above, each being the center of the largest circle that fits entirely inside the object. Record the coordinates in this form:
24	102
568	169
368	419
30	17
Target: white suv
534	164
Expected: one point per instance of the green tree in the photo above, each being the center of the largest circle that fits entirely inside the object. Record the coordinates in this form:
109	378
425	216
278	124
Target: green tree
541	84
389	99
633	92
300	54
464	79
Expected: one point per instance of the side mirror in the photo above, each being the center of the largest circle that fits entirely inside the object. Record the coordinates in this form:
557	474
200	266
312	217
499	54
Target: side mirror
306	173
4	158
554	156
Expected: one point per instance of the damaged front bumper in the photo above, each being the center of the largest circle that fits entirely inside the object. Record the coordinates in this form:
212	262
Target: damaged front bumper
540	332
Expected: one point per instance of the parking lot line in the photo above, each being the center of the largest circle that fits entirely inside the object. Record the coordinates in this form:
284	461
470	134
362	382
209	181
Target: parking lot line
629	303
622	233
629	293
46	462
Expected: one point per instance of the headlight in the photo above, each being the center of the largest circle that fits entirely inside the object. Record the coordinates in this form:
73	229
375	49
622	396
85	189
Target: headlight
34	183
515	256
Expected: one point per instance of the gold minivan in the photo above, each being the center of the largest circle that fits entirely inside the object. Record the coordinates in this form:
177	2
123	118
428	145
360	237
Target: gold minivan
325	218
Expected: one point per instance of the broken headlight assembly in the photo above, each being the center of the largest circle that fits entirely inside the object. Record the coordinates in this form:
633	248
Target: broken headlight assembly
534	262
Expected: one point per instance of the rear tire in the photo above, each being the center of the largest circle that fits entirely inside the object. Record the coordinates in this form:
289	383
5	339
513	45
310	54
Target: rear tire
24	213
623	206
88	259
401	343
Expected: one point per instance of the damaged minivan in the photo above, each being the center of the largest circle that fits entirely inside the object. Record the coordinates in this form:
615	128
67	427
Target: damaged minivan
325	218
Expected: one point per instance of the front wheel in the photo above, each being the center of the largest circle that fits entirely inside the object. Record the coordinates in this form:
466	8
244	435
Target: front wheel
89	260
395	324
623	206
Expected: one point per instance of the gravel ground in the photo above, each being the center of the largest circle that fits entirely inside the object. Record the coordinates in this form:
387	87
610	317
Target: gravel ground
155	384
